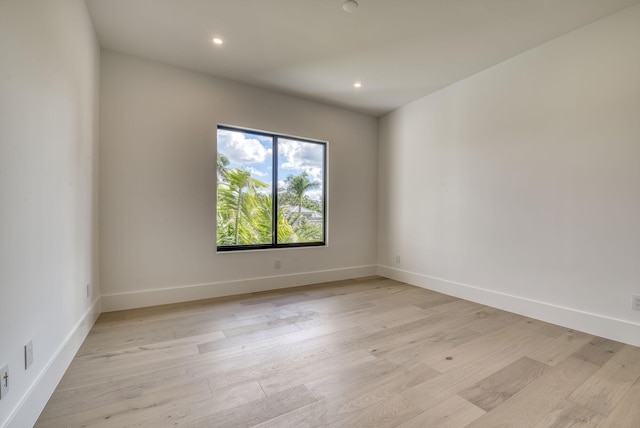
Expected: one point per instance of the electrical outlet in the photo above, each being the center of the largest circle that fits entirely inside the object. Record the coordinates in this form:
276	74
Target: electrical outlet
397	258
28	354
277	264
635	302
4	381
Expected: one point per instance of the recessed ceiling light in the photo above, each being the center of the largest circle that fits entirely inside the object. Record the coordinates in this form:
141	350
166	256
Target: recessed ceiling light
350	5
217	41
357	85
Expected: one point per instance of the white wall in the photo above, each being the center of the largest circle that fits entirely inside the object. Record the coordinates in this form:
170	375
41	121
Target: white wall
49	65
157	186
519	187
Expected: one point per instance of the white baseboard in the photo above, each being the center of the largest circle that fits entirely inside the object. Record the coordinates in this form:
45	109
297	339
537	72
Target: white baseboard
596	324
140	299
32	403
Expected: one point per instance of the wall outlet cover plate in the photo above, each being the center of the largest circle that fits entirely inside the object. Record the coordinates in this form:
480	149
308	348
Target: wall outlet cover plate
28	354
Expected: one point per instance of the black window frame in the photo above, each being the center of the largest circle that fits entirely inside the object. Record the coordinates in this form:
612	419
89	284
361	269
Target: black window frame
274	192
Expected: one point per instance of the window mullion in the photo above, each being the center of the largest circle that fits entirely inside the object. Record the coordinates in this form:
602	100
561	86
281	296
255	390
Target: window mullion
274	190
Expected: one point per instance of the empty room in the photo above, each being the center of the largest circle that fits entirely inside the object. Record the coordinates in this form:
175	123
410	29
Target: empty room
319	213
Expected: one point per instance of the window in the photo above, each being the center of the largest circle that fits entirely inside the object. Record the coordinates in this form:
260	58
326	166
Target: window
260	174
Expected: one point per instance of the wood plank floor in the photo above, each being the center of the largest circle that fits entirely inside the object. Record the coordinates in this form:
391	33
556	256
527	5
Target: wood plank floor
370	352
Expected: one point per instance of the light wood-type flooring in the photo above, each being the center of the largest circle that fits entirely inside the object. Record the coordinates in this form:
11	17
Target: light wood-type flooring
370	352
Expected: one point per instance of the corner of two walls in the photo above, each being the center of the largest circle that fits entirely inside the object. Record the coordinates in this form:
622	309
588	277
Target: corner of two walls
518	187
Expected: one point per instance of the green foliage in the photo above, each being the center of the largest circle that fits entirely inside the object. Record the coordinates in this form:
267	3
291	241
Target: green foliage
297	186
244	214
222	166
241	209
286	198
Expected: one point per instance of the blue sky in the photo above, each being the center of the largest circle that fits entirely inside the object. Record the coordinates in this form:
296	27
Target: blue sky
254	152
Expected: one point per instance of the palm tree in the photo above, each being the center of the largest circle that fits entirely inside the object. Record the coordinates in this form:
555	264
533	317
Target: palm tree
244	215
238	198
298	185
222	166
262	219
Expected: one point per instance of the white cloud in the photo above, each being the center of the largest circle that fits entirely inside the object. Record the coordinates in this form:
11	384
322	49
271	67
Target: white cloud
301	156
315	173
315	194
241	148
257	172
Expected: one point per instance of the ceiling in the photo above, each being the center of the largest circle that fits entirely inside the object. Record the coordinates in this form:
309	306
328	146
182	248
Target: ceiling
400	50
